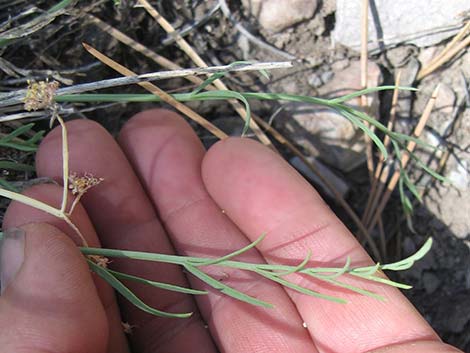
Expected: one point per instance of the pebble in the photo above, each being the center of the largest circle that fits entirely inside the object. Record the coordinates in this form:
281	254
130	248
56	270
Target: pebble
325	133
399	56
278	15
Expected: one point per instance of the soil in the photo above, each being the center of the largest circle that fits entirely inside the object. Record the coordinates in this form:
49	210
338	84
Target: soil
442	280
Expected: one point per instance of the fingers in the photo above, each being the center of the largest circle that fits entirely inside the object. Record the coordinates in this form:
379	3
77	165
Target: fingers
124	219
19	214
267	195
167	156
49	302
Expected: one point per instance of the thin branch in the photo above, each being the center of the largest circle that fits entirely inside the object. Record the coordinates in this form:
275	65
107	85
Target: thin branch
226	11
196	23
158	92
184	45
17	97
364	72
374	194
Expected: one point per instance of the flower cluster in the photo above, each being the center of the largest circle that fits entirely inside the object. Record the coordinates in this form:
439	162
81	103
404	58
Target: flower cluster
40	95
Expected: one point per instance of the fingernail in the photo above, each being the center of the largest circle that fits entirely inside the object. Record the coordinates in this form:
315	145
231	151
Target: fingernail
11	255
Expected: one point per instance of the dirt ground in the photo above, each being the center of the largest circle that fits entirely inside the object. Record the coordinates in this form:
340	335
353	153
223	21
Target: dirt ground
442	280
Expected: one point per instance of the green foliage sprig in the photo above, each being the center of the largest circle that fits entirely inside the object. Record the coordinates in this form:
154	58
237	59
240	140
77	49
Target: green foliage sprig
272	272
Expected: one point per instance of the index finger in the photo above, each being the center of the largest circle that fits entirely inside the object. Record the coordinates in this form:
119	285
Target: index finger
267	195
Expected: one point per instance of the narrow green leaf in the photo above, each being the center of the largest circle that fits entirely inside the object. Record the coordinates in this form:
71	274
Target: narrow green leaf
355	289
265	74
208	82
129	295
61	5
16	166
403	137
36	138
231	255
383	281
366	271
17	132
298	288
428	170
232	95
297	268
358	123
8	186
409	261
412	187
19	146
334	275
166	286
370	90
223	288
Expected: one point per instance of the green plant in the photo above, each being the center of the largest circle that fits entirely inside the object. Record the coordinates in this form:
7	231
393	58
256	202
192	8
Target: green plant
15	140
98	258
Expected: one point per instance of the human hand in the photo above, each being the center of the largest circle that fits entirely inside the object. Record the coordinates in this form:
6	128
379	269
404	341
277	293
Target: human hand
163	193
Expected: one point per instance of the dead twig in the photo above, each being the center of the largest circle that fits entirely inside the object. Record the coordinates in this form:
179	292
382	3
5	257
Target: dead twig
374	194
252	38
158	92
453	48
404	159
17	97
184	45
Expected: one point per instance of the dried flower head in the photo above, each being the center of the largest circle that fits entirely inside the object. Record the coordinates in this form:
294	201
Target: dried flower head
40	95
100	260
81	184
127	328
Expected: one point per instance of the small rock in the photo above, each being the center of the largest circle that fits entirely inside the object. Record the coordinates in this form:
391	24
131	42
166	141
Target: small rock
459	177
326	134
277	15
327	76
315	80
409	72
428	54
338	183
418	22
445	100
466	64
340	65
400	56
348	80
430	282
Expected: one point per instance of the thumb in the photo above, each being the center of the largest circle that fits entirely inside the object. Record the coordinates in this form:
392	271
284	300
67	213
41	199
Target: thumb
48	301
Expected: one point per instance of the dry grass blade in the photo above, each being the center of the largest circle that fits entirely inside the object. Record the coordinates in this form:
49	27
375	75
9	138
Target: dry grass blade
158	92
374	193
363	62
183	44
18	96
123	38
405	159
255	40
453	48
